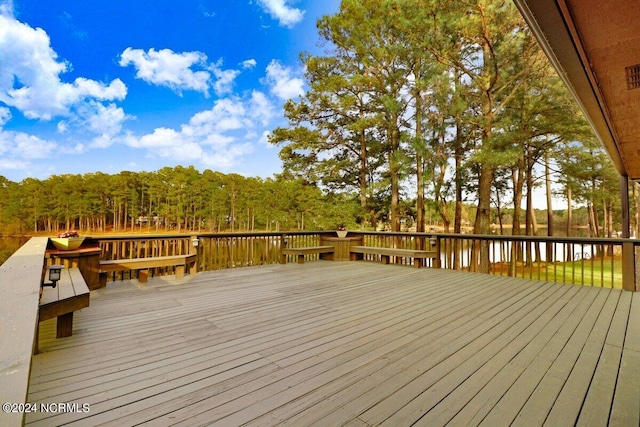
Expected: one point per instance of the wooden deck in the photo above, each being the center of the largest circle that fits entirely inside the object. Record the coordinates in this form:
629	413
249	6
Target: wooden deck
344	343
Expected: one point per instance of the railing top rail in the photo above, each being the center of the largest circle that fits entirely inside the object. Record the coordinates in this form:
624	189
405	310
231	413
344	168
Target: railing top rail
200	234
266	233
20	278
522	238
559	239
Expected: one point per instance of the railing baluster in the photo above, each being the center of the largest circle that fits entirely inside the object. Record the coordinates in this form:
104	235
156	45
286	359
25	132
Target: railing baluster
567	260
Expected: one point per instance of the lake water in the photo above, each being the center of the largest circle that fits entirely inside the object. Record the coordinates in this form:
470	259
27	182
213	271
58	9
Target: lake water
8	245
560	252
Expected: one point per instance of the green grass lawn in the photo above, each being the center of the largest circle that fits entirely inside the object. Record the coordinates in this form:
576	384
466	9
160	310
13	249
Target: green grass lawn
602	272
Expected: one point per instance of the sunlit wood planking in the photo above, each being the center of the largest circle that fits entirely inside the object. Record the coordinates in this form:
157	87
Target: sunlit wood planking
329	343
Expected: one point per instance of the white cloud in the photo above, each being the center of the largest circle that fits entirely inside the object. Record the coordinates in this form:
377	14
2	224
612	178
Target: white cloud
100	141
32	147
5	115
30	81
30	75
278	9
217	137
18	149
78	148
261	108
44	101
104	119
282	84
264	139
179	71
168	143
224	82
249	63
224	79
13	164
169	69
6	7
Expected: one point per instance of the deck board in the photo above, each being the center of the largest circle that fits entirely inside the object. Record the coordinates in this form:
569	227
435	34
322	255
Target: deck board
626	403
498	374
537	407
332	343
426	391
505	410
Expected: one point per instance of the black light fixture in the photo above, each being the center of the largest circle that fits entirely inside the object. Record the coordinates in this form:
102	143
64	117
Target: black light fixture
54	275
285	239
195	242
433	240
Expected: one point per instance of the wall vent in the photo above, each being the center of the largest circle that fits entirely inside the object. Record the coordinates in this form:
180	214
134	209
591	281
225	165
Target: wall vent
633	77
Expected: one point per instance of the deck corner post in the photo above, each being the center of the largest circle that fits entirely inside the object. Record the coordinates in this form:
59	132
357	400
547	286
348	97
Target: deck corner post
630	267
624	201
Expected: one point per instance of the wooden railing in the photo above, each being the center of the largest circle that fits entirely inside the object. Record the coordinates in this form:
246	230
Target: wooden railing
215	250
20	279
419	241
143	246
229	250
586	261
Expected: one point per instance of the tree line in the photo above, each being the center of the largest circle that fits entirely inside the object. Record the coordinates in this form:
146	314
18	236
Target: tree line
183	199
444	103
176	199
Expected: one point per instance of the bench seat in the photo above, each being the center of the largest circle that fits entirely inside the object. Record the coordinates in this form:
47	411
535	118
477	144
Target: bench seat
358	252
70	294
180	262
309	250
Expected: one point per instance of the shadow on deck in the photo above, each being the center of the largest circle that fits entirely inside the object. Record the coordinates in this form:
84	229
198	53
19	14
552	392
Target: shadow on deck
332	343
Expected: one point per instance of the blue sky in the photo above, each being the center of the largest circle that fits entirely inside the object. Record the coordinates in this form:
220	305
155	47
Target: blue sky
138	85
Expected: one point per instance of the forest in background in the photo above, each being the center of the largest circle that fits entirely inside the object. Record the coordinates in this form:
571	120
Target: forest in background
183	199
171	199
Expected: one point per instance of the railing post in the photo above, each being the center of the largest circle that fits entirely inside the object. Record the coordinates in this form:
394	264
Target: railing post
284	242
194	249
629	281
434	245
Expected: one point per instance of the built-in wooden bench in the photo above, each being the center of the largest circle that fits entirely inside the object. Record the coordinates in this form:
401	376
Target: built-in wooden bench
309	250
180	262
419	256
70	294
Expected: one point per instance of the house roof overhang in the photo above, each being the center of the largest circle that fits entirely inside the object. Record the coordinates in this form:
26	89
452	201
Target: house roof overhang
595	47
